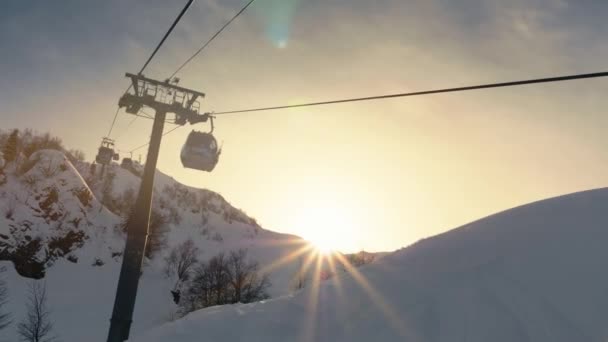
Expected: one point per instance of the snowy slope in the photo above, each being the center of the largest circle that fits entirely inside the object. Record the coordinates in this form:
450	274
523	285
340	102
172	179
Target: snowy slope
48	212
533	273
78	241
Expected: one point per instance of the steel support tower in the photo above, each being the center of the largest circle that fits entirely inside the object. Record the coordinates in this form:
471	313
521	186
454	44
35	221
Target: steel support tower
164	98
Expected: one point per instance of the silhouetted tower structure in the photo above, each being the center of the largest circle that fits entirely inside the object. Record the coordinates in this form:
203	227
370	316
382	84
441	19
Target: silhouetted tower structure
163	98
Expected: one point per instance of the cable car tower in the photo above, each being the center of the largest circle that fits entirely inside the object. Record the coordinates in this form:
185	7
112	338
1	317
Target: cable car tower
164	98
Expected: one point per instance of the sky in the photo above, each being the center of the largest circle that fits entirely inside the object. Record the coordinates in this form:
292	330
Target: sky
376	175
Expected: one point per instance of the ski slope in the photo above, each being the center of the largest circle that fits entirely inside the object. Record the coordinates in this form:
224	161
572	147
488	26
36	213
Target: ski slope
536	273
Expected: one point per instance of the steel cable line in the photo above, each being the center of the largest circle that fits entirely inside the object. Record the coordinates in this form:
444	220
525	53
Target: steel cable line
127	129
195	54
212	38
135	117
417	93
181	14
145	145
425	92
113	122
162	41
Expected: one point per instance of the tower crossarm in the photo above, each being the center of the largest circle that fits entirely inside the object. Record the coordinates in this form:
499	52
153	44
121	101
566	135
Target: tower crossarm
162	97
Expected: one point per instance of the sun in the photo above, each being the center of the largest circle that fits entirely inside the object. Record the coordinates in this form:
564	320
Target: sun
327	226
322	244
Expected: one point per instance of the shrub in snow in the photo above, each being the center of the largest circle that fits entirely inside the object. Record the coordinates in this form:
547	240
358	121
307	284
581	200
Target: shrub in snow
62	245
98	263
48	169
84	195
25	257
28	164
72	258
30	181
9	208
218	237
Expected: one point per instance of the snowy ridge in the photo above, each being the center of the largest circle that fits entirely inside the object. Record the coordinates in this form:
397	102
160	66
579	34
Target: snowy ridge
48	213
534	273
79	241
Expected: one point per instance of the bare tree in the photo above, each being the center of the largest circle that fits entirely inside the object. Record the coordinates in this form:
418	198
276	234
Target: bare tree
247	285
36	326
226	280
5	317
181	260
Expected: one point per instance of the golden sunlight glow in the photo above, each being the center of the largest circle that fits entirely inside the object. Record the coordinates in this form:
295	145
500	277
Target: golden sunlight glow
322	244
327	226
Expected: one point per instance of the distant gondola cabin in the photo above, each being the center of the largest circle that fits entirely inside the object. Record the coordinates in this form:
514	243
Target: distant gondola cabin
104	155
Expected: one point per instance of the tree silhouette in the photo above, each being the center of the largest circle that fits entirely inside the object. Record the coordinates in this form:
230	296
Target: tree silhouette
226	280
180	261
10	148
36	325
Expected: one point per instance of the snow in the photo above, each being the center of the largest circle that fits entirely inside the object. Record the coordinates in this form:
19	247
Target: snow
80	294
533	273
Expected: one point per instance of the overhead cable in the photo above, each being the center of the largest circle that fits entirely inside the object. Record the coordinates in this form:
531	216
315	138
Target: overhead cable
424	92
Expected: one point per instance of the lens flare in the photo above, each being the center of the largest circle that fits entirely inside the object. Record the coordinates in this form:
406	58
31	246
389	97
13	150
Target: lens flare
278	16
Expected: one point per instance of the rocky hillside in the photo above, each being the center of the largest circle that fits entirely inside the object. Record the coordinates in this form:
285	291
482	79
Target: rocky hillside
48	212
61	220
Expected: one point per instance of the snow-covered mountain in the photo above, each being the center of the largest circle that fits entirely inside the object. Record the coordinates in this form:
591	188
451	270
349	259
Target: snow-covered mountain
62	221
535	273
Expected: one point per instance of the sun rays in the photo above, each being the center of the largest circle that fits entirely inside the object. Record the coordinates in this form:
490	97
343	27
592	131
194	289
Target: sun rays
307	248
396	322
316	266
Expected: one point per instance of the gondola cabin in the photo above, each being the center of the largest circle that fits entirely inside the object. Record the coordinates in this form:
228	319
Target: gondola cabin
127	163
105	155
106	152
200	152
